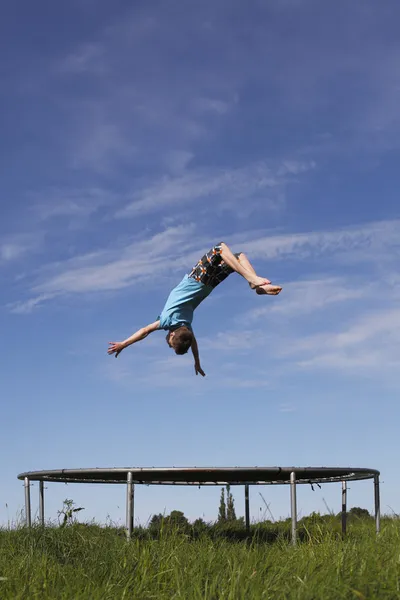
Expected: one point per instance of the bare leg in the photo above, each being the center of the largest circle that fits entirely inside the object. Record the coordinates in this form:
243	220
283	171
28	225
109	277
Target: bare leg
250	275
269	289
246	269
245	262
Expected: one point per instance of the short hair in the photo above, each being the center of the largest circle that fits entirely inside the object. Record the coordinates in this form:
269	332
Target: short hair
183	339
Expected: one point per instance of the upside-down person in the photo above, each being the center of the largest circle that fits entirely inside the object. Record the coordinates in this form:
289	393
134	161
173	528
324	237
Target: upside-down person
177	314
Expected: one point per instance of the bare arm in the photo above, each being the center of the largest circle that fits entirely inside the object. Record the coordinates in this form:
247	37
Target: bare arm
117	347
195	351
231	260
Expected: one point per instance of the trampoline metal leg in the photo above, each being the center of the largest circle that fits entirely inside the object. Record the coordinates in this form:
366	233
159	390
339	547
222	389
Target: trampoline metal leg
41	503
247	507
344	508
293	506
129	505
27	502
377	504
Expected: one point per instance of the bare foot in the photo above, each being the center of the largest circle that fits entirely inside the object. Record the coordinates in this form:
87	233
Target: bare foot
269	289
258	281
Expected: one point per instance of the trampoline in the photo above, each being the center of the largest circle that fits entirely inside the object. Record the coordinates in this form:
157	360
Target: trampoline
199	476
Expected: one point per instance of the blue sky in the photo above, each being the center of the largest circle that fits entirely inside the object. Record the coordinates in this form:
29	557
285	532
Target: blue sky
133	137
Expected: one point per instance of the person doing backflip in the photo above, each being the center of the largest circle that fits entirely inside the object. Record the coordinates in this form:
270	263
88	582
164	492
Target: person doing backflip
177	314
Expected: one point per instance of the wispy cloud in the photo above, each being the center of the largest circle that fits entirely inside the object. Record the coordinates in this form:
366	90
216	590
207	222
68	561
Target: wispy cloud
118	267
139	105
252	183
212	105
177	371
352	244
115	268
348	324
14	247
362	337
11	250
176	161
233	341
27	306
370	343
87	59
350	344
306	296
101	145
68	202
137	123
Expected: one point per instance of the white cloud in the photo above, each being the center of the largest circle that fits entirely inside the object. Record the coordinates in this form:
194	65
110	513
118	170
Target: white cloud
234	341
176	161
116	268
87	59
295	167
144	100
369	343
212	105
176	102
250	183
306	296
348	324
353	244
100	144
175	371
14	247
364	345
59	202
10	251
27	306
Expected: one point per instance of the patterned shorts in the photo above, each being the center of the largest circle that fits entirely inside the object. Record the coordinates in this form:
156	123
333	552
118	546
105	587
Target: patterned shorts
210	269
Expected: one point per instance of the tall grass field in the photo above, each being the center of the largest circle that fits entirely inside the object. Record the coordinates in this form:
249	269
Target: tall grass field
90	562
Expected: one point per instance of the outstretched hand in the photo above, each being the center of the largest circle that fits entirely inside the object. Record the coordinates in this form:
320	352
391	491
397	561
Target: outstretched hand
198	370
115	348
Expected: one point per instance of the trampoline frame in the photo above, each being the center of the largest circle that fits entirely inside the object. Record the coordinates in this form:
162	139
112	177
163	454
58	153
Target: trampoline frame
199	476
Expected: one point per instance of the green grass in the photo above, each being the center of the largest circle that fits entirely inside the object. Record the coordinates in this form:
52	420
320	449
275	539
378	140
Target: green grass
92	563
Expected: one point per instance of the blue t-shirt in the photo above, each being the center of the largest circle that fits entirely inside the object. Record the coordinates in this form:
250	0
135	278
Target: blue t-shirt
181	302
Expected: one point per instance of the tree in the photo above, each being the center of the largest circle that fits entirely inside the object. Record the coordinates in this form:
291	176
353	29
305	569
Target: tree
230	505
359	512
178	519
222	507
156	521
199	526
226	508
